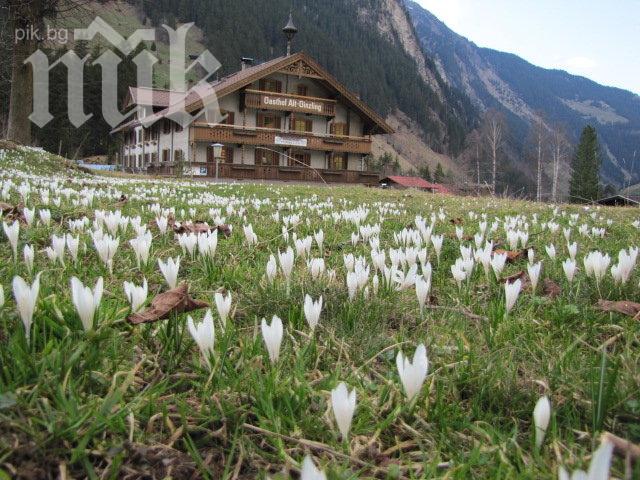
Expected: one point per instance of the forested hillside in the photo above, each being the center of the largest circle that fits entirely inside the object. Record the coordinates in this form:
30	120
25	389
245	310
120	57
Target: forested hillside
344	37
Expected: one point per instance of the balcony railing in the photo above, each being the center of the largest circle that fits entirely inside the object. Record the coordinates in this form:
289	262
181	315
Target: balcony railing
289	103
236	134
272	172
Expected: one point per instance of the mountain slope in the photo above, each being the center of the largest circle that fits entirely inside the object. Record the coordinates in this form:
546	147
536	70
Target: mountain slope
504	81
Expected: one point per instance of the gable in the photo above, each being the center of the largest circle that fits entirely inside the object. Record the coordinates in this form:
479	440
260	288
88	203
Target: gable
301	65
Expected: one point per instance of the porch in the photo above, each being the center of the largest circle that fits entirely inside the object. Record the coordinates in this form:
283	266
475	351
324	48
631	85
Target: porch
267	172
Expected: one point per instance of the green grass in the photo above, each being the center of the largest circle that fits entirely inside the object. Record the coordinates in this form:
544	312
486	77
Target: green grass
125	400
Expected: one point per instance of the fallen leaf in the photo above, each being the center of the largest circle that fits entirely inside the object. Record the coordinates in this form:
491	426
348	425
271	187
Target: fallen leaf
201	227
164	304
631	309
456	221
11	212
550	288
512	255
622	447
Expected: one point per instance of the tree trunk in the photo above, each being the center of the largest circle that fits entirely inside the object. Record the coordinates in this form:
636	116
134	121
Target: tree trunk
21	97
539	179
494	154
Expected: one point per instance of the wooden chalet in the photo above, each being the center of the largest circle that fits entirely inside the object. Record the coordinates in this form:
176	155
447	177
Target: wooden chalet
285	119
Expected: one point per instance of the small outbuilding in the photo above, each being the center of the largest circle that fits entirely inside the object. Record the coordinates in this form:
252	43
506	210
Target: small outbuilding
620	201
401	182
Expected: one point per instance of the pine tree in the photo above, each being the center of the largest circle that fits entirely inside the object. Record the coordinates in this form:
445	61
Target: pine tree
439	175
425	173
584	185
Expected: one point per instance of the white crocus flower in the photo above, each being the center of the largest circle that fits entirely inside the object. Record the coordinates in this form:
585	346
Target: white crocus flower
223	305
73	243
272	335
272	269
141	246
551	251
512	291
86	300
534	274
136	295
26	297
497	263
286	263
1	296
422	292
541	417
45	216
29	255
573	250
437	240
170	271
569	267
319	238
596	265
344	405
598	468
310	472
13	233
162	223
413	374
312	311
204	335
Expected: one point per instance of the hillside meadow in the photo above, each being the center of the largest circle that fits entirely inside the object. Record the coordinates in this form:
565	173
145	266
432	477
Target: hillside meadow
405	335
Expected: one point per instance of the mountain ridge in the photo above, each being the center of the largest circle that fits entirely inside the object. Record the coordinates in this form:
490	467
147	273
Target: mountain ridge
507	82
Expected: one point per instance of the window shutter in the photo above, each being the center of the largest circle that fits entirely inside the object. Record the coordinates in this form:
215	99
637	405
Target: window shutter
260	120
278	86
261	84
277	122
332	129
228	154
230	118
308	125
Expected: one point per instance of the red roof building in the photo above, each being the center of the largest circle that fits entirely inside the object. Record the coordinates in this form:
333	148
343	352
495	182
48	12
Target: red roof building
397	181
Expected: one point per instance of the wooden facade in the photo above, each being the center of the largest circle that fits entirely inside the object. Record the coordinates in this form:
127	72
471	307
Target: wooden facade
286	119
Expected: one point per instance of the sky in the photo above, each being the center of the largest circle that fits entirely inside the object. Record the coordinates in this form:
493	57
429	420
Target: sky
598	39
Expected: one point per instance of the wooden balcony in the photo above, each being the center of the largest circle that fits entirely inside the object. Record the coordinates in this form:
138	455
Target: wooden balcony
289	103
273	172
236	134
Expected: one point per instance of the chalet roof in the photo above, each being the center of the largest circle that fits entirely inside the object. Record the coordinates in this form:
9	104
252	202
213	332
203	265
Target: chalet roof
617	200
415	182
242	78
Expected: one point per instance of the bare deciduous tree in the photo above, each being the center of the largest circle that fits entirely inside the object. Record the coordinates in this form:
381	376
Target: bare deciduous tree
560	147
539	137
493	129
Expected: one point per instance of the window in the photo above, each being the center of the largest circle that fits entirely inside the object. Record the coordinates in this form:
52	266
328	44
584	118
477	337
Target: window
229	119
338	161
303	90
301	159
166	126
339	128
267	157
268	120
178	155
270	85
165	155
301	124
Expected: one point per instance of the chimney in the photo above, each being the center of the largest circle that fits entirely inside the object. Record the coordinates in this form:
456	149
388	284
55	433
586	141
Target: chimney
289	31
245	62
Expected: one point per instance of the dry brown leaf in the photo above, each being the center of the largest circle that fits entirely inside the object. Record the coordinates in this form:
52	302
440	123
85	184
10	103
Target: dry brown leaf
456	221
551	289
512	255
164	304
621	446
631	309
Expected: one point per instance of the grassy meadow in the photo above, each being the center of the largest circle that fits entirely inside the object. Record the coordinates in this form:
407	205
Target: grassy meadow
123	400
